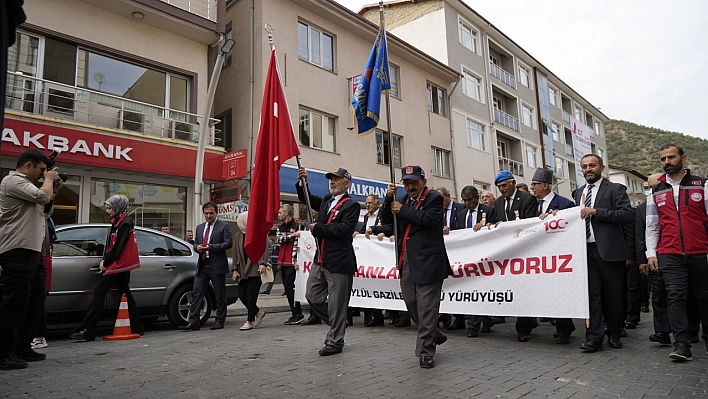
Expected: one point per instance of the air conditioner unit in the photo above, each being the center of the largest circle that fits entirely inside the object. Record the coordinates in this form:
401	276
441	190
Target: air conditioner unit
157	127
58	101
182	131
129	120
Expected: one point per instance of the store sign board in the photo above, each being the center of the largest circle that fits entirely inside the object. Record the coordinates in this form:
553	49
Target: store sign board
106	150
229	211
235	164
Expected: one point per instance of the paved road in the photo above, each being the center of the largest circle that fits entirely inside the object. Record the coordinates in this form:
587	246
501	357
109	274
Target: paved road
278	361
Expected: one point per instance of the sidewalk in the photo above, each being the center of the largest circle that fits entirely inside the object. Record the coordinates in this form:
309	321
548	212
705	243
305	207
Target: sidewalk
276	302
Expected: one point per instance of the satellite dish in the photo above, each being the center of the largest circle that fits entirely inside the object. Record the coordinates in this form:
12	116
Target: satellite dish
99	77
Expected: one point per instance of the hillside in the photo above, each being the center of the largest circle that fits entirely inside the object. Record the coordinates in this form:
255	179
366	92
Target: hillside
637	147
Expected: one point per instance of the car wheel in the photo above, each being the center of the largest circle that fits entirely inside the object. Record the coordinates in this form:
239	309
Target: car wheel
178	306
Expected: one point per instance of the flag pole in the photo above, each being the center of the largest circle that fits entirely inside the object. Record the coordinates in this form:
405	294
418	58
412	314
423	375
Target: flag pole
269	29
392	169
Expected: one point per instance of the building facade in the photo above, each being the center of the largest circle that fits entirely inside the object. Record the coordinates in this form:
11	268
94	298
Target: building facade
116	86
636	182
511	111
322	47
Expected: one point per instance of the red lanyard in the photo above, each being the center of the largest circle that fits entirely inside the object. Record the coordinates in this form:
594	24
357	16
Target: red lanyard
320	260
408	229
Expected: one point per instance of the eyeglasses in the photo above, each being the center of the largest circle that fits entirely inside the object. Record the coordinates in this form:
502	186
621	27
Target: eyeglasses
536	183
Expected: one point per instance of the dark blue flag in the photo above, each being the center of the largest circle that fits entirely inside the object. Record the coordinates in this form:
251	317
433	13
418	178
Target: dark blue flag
375	80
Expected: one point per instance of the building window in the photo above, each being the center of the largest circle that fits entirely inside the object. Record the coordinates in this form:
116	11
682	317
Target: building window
472	86
552	95
524	76
531	156
468	36
441	163
559	167
229	34
475	135
601	154
393	70
223	131
556	130
597	129
526	115
382	149
436	100
315	47
317	130
578	114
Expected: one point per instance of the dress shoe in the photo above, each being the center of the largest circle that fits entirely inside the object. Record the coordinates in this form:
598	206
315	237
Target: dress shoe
427	362
259	318
190	327
645	309
265	293
387	315
662	338
681	352
393	321
29	355
591	346
375	321
458	324
445	319
246	326
614	343
403	322
311	321
630	325
486	328
330	350
498	320
217	326
563	339
521	337
12	362
441	339
472	333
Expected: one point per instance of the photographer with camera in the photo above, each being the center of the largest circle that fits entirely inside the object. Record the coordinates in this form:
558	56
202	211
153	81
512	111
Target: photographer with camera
22	231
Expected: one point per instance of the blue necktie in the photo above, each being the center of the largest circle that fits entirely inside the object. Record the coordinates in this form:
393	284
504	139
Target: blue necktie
329	204
470	222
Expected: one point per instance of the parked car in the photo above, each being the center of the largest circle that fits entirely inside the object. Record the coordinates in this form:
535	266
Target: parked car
161	286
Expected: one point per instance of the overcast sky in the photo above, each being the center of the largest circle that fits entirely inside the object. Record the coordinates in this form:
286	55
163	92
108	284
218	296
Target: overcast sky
645	61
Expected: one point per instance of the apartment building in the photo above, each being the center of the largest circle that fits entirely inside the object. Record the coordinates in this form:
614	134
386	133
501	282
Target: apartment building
635	181
116	86
511	111
322	47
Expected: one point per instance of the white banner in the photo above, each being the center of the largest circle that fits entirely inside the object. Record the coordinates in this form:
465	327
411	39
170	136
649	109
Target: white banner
581	146
521	268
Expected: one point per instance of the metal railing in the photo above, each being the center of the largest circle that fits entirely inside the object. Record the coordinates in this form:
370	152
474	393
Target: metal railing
502	75
566	116
515	167
506	119
203	8
35	96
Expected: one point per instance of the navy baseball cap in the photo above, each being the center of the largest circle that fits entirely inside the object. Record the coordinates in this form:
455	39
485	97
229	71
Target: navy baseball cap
340	172
414	172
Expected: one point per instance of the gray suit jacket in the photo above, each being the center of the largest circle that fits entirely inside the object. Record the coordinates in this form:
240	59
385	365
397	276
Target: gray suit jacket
221	241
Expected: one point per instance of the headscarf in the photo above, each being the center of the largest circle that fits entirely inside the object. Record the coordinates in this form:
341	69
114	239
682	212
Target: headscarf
119	203
241	221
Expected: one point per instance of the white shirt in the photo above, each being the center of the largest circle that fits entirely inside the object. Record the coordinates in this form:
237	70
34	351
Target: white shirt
474	215
334	202
506	204
208	240
546	201
448	213
371	221
595	188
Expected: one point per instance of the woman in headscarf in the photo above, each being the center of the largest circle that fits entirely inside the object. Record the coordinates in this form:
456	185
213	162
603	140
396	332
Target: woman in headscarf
120	257
250	275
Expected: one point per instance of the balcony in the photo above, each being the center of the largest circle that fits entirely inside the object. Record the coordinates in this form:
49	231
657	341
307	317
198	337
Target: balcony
28	95
502	75
515	167
506	119
569	150
566	116
203	8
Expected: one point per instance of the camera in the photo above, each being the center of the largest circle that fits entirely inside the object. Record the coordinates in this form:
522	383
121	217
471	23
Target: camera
52	161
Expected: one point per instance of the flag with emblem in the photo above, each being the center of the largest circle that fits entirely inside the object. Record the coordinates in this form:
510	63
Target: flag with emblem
374	81
276	144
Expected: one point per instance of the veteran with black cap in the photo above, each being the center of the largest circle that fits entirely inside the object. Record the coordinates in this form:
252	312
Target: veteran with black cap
550	202
423	260
329	284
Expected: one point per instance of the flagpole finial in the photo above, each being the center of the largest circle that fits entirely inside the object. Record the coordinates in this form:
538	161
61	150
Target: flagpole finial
269	29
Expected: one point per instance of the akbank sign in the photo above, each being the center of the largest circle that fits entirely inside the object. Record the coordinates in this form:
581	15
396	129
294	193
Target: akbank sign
319	185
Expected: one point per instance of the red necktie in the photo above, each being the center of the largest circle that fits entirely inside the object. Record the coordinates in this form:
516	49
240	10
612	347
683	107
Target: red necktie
205	242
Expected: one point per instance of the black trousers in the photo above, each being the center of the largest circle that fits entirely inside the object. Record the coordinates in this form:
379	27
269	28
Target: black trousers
24	277
93	314
605	286
248	294
288	277
634	294
658	303
679	271
201	282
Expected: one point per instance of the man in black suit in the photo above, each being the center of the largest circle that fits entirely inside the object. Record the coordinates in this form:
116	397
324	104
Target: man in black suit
212	240
329	284
604	207
372	317
548	201
474	216
423	260
662	327
515	204
450	211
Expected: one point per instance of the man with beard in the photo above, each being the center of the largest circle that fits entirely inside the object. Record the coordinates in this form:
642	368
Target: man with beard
604	207
423	260
677	245
330	282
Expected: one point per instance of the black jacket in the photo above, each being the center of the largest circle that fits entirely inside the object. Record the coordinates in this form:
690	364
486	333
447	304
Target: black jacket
461	221
524	202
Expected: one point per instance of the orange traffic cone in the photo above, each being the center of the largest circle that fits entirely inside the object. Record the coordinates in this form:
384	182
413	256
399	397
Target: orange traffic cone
121	331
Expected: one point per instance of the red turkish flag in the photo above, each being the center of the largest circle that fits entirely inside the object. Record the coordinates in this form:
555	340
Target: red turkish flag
276	144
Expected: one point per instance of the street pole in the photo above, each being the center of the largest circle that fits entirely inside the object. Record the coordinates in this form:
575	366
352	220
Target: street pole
225	49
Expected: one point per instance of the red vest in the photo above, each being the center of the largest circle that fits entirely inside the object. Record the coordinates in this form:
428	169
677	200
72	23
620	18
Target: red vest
128	259
682	231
